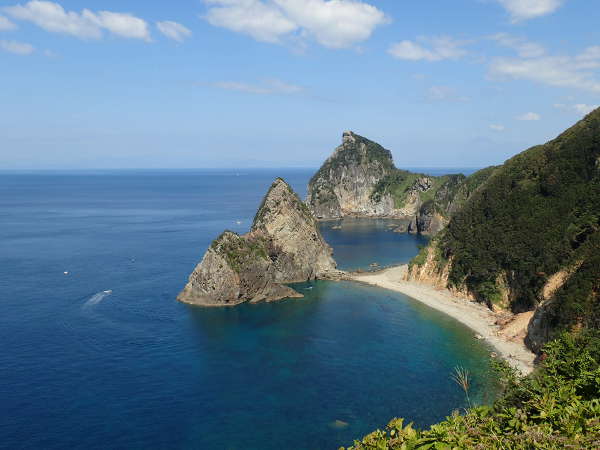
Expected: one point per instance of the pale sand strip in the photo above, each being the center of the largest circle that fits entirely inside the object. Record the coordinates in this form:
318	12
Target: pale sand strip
508	341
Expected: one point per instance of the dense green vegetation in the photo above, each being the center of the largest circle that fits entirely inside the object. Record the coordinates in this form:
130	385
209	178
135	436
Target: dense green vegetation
398	184
241	251
444	195
534	216
556	407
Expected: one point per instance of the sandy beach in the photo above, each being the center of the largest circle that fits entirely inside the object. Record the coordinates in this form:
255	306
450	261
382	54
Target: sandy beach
505	335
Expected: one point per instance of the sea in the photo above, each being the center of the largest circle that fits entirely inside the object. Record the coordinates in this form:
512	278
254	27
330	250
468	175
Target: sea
96	353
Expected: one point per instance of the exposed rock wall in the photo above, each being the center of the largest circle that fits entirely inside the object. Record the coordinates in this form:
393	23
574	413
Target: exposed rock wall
344	184
284	245
360	179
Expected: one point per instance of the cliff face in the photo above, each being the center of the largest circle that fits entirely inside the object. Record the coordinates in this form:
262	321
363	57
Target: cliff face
284	245
360	179
529	238
343	185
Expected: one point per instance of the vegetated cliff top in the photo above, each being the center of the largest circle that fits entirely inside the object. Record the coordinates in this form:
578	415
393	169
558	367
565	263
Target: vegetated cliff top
355	150
534	216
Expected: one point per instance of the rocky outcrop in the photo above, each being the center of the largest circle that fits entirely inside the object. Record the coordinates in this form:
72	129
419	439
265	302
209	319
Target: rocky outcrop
541	325
344	183
360	179
284	245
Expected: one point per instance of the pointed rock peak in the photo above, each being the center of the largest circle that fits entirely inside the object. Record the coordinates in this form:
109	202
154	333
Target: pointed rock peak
279	183
348	137
361	149
280	200
279	188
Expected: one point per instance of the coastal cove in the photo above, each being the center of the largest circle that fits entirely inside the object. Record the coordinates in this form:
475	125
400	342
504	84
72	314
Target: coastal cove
109	252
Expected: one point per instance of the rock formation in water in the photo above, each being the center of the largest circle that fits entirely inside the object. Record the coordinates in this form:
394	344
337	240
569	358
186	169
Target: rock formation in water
283	246
344	183
360	180
529	238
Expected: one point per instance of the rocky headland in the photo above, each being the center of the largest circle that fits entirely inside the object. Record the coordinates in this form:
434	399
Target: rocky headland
360	179
284	245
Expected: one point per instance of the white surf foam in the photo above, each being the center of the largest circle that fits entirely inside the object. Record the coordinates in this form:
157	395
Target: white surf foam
97	298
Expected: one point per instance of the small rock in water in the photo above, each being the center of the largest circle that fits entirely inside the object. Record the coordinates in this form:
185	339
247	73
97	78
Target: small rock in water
338	424
479	337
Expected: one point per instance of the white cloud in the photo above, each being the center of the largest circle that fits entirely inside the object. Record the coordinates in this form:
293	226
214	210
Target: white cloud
440	48
6	25
333	23
173	30
579	108
268	87
577	71
445	93
52	17
18	48
520	10
524	48
264	23
529	116
497	127
122	24
590	54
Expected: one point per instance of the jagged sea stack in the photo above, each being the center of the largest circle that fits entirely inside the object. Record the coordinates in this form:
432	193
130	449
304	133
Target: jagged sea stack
284	245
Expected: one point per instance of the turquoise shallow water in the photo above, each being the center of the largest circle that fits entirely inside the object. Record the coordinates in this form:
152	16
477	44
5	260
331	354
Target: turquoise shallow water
104	357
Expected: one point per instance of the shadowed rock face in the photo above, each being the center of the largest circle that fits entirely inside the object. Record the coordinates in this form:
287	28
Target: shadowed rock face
284	245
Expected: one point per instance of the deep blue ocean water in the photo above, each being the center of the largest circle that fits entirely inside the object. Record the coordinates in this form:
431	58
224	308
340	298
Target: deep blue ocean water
104	357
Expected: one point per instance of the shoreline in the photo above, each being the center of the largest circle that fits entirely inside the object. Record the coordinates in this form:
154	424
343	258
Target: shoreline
507	339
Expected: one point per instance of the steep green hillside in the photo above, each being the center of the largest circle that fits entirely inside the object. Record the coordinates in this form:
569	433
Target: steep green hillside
531	234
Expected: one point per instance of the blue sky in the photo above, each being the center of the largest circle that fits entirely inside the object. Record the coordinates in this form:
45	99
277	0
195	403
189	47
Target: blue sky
268	83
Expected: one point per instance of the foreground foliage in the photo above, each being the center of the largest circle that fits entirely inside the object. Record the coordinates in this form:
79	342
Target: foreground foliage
556	407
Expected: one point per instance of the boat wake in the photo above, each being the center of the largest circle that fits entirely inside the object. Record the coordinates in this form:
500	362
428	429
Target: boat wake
97	298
